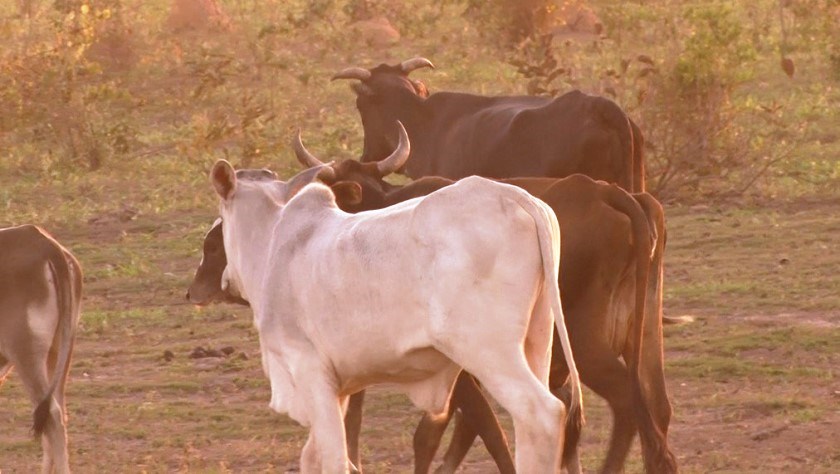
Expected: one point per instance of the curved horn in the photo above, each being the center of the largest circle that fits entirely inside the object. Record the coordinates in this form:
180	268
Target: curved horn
308	160
352	73
415	63
304	157
398	157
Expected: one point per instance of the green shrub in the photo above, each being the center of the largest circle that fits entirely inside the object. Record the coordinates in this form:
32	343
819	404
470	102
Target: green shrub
701	137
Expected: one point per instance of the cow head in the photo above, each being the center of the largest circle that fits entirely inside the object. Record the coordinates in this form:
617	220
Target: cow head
206	286
384	95
358	186
248	197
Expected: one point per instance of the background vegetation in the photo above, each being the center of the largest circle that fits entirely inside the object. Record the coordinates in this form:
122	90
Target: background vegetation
112	111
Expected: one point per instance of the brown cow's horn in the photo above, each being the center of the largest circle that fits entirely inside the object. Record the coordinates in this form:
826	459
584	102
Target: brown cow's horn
308	160
304	157
398	157
353	73
415	63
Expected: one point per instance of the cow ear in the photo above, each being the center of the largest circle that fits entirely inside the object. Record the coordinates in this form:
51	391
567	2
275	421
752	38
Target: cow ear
420	88
303	178
347	193
223	178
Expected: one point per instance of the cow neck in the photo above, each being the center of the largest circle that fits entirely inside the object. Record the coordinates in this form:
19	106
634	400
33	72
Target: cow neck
252	229
409	109
416	122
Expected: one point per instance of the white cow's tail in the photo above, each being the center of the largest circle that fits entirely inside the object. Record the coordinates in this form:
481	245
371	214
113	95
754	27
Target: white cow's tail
548	233
67	275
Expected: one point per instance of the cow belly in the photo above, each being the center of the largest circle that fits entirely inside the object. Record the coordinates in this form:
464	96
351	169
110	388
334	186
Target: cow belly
425	375
398	367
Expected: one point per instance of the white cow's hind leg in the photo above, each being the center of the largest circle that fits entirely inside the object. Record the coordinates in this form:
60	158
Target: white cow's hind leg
539	338
538	416
506	372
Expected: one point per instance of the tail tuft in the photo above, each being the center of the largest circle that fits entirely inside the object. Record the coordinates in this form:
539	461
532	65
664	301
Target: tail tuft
41	416
575	417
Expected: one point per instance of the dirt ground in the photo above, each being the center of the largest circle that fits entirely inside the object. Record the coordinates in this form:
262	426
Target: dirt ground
752	383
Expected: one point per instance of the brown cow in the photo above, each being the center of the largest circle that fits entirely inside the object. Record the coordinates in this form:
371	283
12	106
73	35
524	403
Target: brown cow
611	282
40	301
454	134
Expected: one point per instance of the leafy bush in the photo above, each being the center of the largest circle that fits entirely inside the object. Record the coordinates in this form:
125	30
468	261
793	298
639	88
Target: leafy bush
50	87
701	136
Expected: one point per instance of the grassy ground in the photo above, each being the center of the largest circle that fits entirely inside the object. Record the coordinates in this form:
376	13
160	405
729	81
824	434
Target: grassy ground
752	381
752	375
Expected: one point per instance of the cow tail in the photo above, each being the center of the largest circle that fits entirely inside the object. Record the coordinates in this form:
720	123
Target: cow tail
644	243
548	233
620	123
639	184
645	220
67	275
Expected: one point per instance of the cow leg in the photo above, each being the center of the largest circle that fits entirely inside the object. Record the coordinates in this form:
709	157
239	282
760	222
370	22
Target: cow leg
353	426
463	437
478	419
32	369
571	459
538	417
513	372
327	437
62	384
608	377
475	417
309	460
428	435
653	438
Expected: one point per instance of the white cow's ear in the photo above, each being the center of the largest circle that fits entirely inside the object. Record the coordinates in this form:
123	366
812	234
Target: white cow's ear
223	178
303	178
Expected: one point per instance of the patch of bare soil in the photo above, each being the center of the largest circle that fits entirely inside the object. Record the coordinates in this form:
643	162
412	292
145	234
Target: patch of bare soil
754	422
826	320
143	397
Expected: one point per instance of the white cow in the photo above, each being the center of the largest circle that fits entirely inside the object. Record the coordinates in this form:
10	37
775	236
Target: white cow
40	294
407	295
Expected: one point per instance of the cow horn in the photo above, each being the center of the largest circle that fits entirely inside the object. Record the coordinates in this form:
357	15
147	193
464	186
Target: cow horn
398	157
308	160
352	73
415	63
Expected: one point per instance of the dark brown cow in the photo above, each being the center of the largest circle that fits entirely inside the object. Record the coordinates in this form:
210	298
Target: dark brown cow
611	282
454	135
40	300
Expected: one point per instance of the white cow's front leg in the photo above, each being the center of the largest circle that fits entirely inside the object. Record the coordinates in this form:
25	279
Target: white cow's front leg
309	461
326	449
